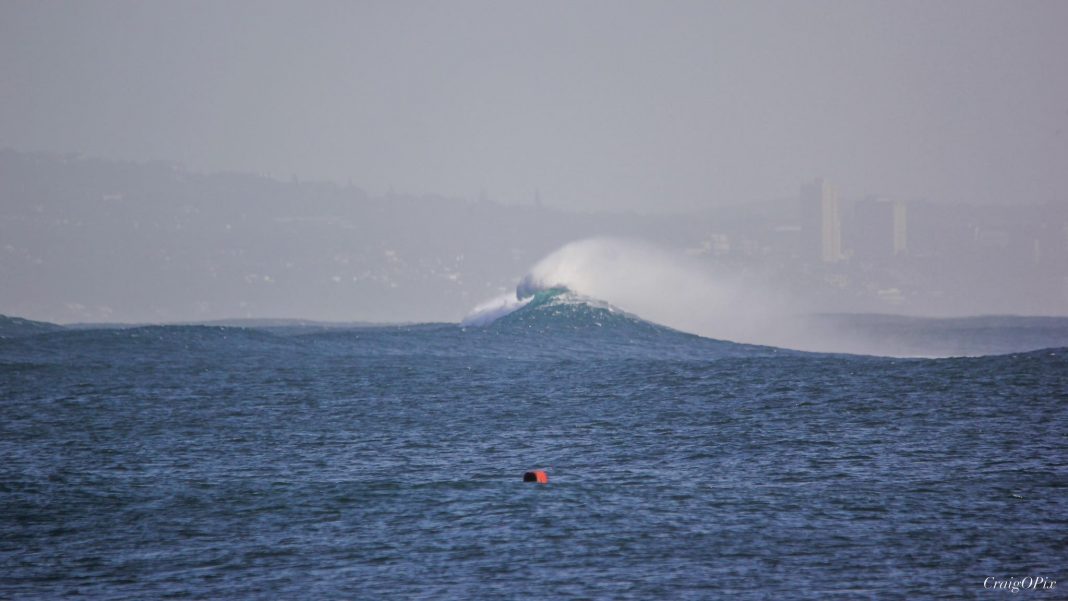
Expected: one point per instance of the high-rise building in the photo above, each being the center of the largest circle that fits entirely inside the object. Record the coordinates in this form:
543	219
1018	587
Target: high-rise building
821	221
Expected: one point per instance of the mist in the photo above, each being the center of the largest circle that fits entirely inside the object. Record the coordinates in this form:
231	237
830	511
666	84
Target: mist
721	301
657	285
741	171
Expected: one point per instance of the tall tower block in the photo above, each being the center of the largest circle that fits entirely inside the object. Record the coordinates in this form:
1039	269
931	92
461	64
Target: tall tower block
821	222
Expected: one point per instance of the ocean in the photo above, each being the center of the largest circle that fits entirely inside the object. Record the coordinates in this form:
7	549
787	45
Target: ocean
207	462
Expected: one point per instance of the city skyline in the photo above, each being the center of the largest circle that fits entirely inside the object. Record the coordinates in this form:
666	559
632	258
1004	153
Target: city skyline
92	240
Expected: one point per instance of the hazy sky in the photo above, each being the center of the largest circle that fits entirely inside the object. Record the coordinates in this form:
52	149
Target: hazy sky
600	105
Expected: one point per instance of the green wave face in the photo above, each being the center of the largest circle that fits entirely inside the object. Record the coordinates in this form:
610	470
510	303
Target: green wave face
559	322
559	309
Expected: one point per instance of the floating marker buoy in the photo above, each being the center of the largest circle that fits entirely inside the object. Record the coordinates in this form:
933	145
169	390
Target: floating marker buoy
538	476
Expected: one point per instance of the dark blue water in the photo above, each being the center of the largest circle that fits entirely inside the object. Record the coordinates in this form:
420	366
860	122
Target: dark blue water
210	463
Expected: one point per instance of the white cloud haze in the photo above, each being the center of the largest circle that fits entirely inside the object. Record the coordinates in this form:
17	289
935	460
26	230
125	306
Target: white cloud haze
597	105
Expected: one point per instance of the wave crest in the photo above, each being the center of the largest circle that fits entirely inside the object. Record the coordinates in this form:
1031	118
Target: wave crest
659	285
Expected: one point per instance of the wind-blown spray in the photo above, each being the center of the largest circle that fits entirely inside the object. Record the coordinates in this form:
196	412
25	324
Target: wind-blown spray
708	299
658	285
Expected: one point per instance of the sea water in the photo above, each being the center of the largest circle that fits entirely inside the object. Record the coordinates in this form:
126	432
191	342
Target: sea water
194	462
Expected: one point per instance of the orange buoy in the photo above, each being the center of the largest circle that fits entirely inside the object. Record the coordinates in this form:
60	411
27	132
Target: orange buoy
538	476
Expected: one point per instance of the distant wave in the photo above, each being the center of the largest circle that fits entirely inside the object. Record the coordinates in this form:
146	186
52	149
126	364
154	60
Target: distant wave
721	303
659	286
531	298
564	306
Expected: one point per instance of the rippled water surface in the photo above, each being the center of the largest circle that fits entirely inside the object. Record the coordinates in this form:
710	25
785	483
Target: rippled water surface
207	463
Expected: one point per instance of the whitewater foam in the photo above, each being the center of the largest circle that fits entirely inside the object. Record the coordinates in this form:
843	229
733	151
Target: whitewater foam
494	309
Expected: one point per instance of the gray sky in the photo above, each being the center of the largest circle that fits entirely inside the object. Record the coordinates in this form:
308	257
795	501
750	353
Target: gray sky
600	105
